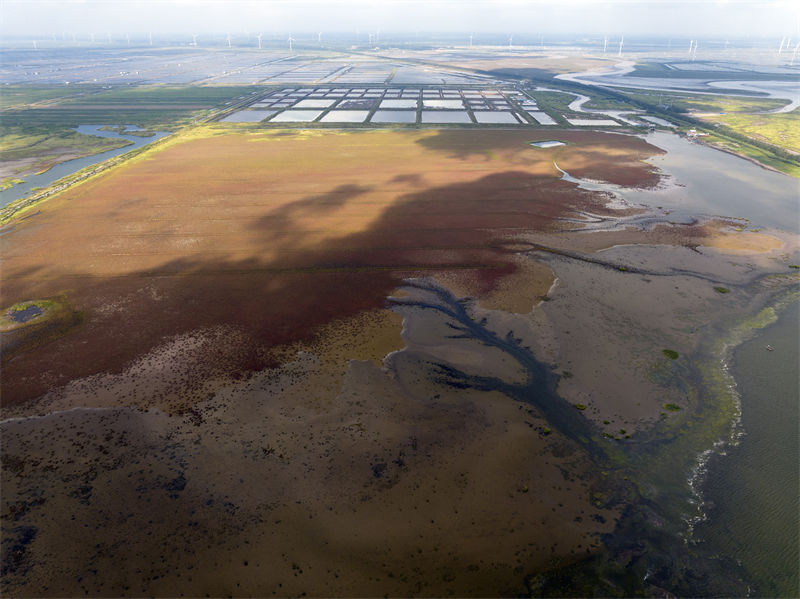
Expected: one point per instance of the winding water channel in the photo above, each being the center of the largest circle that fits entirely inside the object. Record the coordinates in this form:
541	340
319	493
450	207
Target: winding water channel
708	182
63	169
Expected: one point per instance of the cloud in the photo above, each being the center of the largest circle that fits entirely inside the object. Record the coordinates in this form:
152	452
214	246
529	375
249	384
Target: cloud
645	17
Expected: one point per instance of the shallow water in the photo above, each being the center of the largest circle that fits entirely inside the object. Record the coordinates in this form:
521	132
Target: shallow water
69	167
752	492
702	181
717	183
26	314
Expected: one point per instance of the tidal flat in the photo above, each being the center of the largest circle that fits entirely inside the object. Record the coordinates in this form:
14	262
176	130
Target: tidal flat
385	378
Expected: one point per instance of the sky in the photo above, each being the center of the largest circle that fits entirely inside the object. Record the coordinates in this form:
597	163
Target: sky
709	18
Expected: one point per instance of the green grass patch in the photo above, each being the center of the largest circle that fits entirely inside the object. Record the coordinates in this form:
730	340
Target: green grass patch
722	290
555	104
670	353
780	129
696	71
601	103
19	96
580	406
672	407
147	106
769	139
19	143
756	152
53	318
208	96
7	321
39	137
8	182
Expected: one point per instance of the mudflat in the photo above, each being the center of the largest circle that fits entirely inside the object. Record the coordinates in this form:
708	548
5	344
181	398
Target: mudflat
347	363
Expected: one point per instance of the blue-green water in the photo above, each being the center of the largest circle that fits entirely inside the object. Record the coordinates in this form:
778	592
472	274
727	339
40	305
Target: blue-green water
753	492
20	190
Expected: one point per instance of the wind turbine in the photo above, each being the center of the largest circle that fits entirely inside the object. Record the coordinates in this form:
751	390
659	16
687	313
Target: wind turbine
510	39
291	39
259	41
319	37
621	42
228	39
691	43
91	37
694	52
194	39
605	44
128	37
151	38
470	40
35	45
370	39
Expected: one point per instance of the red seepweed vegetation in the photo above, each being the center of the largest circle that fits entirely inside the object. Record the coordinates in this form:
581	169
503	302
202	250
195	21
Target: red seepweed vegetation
276	235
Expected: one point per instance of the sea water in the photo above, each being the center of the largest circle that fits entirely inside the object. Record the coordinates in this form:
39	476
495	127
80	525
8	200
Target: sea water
752	492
